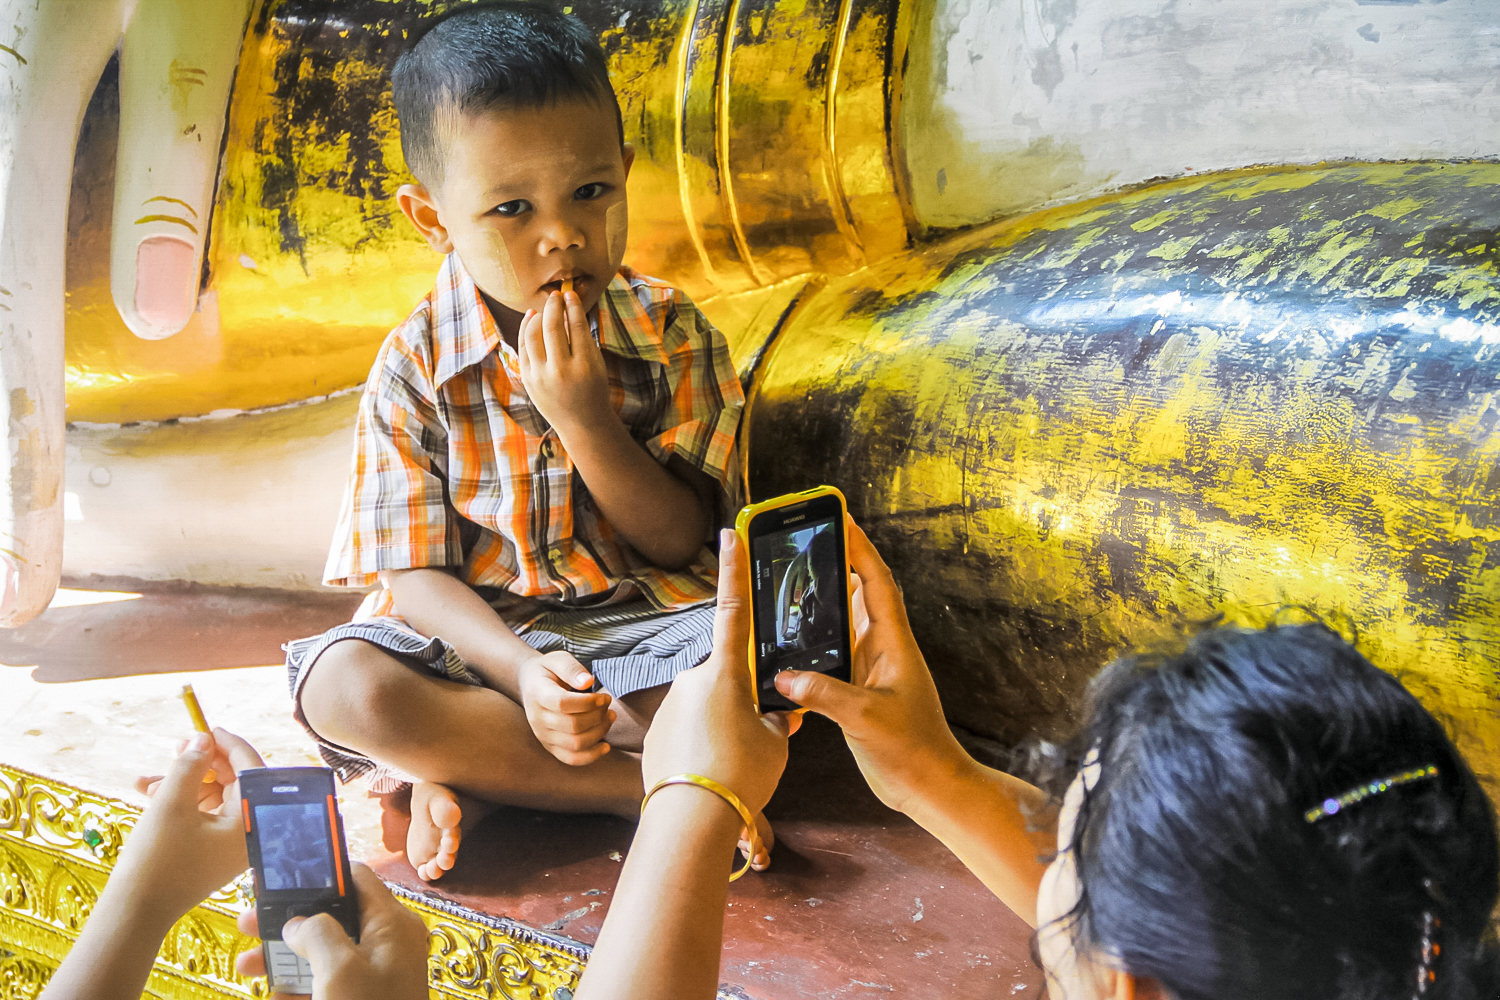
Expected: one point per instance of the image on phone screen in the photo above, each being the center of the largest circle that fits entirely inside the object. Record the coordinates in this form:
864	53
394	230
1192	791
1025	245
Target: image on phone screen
800	604
295	852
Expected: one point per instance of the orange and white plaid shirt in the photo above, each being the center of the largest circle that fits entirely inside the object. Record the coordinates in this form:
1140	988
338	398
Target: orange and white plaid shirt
454	467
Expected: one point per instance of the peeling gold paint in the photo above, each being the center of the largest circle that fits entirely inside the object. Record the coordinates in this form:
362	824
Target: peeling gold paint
312	263
20	404
1057	504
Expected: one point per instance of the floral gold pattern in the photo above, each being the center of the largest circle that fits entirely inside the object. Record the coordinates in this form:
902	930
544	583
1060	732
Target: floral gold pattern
58	843
22	979
473	954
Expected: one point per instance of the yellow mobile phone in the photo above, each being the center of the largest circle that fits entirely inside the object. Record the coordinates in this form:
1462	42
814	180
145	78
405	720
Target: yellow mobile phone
799	589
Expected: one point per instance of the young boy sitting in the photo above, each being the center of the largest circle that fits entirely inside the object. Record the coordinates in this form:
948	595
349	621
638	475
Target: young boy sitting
542	452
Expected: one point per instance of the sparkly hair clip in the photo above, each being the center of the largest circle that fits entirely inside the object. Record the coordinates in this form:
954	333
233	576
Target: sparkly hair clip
1331	807
1431	949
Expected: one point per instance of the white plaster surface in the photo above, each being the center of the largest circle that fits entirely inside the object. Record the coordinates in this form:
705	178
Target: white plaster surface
54	54
1010	104
247	500
100	735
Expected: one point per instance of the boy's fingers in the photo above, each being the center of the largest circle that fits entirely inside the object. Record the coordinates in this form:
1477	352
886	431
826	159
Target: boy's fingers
732	616
376	904
578	322
210	796
785	723
568	670
578	758
554	329
579	742
531	338
147	784
564	721
222	769
565	702
823	694
861	621
585	738
521	354
251	961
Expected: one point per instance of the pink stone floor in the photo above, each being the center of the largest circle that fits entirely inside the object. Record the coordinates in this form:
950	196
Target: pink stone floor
858	903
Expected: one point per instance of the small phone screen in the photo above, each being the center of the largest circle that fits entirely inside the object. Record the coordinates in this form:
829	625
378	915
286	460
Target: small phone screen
800	603
295	847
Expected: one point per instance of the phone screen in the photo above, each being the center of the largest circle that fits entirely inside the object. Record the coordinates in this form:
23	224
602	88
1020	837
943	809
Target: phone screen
296	846
296	849
801	596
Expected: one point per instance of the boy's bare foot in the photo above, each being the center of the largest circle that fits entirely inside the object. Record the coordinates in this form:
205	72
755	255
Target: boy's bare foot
761	861
439	819
395	818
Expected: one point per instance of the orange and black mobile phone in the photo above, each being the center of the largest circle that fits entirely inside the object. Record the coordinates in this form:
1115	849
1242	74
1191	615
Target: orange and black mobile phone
799	589
296	844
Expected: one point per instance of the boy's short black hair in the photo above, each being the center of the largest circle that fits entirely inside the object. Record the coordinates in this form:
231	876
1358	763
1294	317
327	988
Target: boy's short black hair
506	53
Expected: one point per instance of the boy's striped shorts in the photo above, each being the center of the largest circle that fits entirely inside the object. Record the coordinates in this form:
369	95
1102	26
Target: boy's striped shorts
627	647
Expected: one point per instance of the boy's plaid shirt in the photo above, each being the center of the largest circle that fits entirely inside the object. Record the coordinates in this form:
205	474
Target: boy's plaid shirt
454	467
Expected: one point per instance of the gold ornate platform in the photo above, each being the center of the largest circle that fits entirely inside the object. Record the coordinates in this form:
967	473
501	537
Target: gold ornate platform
58	844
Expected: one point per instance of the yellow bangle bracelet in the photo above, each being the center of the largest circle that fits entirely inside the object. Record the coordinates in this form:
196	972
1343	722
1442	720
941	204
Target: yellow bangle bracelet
723	793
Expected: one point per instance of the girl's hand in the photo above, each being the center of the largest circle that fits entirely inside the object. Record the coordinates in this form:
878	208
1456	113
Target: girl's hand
389	961
190	841
708	724
890	715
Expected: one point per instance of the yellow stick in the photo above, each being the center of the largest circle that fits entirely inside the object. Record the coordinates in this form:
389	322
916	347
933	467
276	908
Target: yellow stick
567	285
194	709
199	722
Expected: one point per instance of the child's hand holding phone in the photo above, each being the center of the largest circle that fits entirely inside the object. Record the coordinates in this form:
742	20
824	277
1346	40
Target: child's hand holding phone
706	725
390	959
889	710
189	842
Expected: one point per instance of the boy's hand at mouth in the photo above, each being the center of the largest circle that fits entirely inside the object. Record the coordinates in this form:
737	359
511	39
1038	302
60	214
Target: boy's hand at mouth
562	367
567	719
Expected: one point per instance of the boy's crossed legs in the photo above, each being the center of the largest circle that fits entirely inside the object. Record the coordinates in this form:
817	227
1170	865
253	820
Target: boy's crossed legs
468	742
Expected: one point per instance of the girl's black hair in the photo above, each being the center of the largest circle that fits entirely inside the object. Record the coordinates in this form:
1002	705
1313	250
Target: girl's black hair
1198	866
505	53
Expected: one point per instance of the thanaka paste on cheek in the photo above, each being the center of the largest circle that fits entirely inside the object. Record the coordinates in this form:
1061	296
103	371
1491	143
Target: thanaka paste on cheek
616	229
493	270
